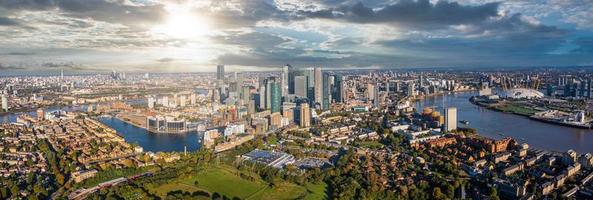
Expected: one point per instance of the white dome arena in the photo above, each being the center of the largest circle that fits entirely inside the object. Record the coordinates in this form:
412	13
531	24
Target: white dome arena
522	93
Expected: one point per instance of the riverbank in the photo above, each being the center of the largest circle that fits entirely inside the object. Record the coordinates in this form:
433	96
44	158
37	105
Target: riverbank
140	122
525	112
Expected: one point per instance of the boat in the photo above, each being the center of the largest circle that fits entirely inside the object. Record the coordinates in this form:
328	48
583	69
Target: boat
464	122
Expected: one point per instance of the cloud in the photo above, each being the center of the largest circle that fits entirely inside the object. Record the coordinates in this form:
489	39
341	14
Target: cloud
420	13
10	67
114	11
4	21
165	60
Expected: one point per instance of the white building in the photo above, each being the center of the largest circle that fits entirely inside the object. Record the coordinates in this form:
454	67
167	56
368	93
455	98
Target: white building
450	119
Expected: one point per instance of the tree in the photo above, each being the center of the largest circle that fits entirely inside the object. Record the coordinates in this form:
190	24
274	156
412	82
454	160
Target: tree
493	194
60	178
437	194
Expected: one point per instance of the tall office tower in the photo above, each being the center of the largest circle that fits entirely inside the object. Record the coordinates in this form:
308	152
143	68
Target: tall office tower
276	97
300	86
245	94
182	101
376	96
220	72
338	91
165	101
589	88
411	89
318	86
62	75
326	91
269	83
371	92
421	80
251	106
151	102
450	119
397	87
304	115
192	99
262	97
4	103
284	80
387	89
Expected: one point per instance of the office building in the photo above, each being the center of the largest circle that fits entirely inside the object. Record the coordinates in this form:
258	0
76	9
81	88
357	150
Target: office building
220	72
4	103
318	87
326	91
284	80
304	115
370	92
288	112
450	119
262	97
338	88
192	99
151	102
276	98
300	86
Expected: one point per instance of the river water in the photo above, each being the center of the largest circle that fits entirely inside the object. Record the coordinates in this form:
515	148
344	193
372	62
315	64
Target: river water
495	124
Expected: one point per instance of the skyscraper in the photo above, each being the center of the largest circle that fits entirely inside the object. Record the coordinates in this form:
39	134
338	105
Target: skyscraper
450	119
262	97
220	72
151	102
318	86
192	99
370	92
284	81
338	88
326	91
304	115
276	97
300	86
4	103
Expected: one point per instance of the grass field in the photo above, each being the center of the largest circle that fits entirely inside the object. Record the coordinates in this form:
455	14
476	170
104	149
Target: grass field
516	109
226	181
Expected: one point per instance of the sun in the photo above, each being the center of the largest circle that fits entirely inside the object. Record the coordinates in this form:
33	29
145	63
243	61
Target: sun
182	23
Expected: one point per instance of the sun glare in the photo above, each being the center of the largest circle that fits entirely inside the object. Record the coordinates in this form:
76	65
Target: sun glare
182	23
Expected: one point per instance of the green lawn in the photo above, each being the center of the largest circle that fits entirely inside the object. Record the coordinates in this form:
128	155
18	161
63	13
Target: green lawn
226	181
316	191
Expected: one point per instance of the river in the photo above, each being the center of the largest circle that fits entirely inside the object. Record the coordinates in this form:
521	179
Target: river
493	123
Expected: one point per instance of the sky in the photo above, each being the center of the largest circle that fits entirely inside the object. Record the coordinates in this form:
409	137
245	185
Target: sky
247	35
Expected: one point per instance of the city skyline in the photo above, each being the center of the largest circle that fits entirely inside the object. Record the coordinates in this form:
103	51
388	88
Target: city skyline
196	36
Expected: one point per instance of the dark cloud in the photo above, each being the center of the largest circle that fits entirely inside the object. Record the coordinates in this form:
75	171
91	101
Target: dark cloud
63	65
10	67
585	45
165	60
245	13
419	13
114	11
18	53
4	21
253	39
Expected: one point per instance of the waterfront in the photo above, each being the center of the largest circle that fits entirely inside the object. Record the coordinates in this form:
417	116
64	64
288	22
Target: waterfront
496	124
132	134
155	142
